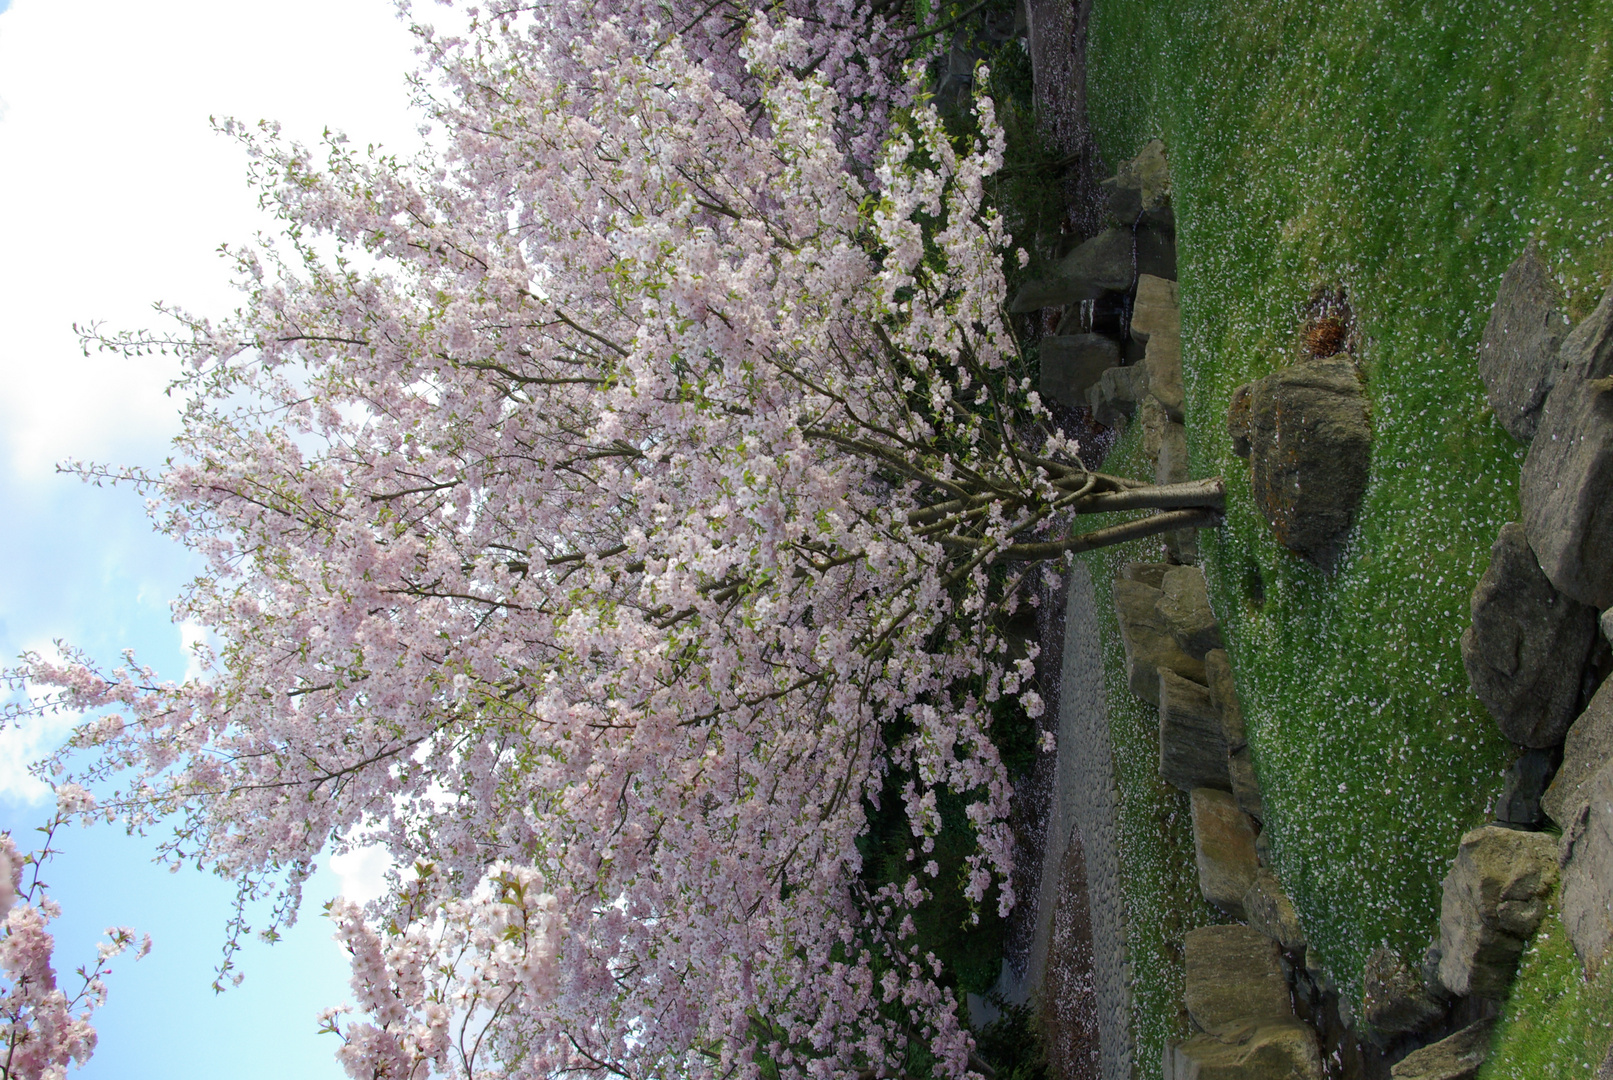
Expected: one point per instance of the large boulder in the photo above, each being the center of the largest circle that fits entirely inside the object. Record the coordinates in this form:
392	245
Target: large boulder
1151	574
1495	895
1224	849
1072	363
1567	483
1267	908
1457	1057
1588	746
1395	1000
1105	263
1140	192
1518	352
1587	895
1150	646
1240	763
1192	750
1527	644
1275	1050
1184	603
1233	977
1115	395
1156	318
1309	447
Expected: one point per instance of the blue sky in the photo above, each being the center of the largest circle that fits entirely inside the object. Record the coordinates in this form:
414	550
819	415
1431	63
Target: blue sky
115	194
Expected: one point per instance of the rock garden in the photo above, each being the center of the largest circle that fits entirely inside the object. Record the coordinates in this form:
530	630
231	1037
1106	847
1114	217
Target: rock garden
1334	792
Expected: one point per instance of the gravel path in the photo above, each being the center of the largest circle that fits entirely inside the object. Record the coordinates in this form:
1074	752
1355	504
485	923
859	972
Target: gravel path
1081	819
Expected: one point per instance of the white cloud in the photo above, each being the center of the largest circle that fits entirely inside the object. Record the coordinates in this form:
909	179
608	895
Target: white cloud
192	634
32	740
361	873
116	192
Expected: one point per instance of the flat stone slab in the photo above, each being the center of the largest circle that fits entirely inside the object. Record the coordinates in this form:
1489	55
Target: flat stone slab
1518	352
1192	750
1234	978
1267	908
1527	644
1150	646
1224	850
1114	397
1184	602
1141	186
1588	746
1240	763
1104	263
1277	1050
1156	317
1395	999
1072	363
1457	1057
1566	487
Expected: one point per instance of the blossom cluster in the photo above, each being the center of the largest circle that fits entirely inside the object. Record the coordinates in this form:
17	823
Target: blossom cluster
42	1029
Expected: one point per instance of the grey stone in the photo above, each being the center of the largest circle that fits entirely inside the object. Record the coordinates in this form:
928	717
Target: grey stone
1523	785
1457	1057
1151	574
1276	1050
1233	977
1224	850
1605	1072
1607	625
1429	970
1115	395
1071	363
1526	646
1268	909
1105	263
1151	417
1184	603
1395	1000
1171	465
1567	483
1309	450
1588	746
1140	186
1240	763
1518	352
1587	895
1156	318
1150	646
1192	752
1495	895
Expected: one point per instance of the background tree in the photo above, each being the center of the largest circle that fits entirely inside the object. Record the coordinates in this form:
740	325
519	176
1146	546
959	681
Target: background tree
583	505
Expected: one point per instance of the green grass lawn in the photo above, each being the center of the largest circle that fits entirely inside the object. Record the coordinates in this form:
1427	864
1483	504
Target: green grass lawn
1557	1025
1408	152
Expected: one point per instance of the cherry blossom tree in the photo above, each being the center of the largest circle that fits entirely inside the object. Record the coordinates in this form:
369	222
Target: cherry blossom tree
42	1029
596	511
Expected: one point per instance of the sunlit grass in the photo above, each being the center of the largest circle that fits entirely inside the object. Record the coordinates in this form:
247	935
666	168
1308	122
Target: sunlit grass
1557	1026
1409	152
